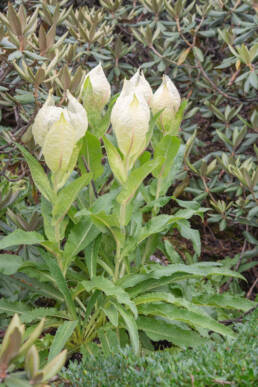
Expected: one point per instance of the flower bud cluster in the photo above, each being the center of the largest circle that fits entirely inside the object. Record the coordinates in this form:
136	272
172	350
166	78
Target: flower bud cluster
131	113
57	129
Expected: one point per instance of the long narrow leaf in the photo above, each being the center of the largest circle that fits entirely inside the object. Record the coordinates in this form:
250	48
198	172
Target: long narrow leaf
60	282
131	326
38	175
62	335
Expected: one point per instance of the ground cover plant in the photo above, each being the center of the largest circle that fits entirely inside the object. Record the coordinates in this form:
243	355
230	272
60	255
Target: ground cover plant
111	206
230	362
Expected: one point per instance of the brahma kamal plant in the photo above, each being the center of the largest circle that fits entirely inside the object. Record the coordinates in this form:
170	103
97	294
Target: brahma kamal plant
111	162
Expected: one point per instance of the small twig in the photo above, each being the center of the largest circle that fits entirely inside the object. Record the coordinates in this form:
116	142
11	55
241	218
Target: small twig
181	34
239	319
251	288
199	66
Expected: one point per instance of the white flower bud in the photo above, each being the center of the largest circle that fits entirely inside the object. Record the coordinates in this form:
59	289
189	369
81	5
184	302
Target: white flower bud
49	114
101	89
142	85
45	118
168	98
130	121
59	144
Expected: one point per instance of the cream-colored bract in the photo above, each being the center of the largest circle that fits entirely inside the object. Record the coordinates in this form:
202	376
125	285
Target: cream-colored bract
59	144
130	121
49	114
100	87
168	98
77	116
142	85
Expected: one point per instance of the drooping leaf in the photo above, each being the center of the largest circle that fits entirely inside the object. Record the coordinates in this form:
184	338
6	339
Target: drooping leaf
225	301
157	330
110	289
20	237
131	326
193	319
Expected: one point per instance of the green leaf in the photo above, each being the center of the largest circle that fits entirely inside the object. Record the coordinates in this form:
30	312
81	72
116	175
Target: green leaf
62	335
68	194
225	301
91	257
166	148
46	210
135	179
193	319
158	330
197	269
38	175
131	326
12	381
10	264
109	341
110	289
187	232
80	236
61	285
26	314
92	151
168	298
112	314
198	54
20	237
104	222
115	161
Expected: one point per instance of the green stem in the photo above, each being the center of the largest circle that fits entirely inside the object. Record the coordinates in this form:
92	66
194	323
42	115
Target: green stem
118	260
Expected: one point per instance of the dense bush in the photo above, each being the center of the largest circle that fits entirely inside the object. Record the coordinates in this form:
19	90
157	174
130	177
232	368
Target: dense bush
217	363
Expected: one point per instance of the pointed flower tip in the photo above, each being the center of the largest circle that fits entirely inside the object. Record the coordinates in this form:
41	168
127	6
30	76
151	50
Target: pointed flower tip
99	95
